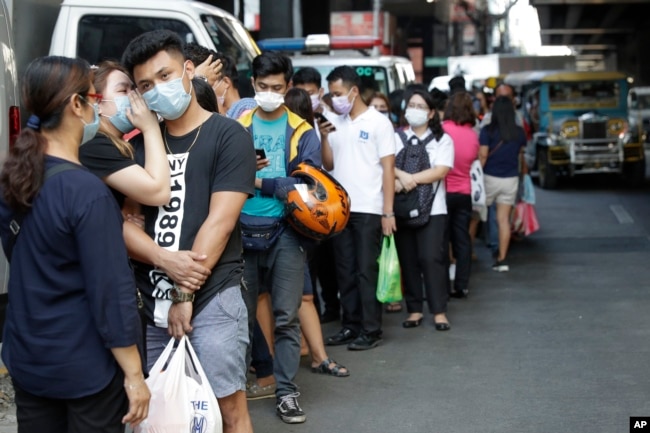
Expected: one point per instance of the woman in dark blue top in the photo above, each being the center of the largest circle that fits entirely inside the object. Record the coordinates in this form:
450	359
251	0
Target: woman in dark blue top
72	324
501	153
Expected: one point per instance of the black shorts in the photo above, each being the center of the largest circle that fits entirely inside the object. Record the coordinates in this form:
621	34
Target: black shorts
97	413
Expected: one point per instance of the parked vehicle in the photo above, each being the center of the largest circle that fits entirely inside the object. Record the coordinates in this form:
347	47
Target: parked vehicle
98	30
379	73
101	30
579	125
9	122
638	101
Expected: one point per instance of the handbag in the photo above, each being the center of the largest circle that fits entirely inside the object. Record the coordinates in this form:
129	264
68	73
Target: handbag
182	399
389	283
260	233
406	204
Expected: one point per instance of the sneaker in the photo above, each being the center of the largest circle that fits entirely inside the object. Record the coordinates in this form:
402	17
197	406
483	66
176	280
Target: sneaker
500	266
289	410
365	342
452	271
256	392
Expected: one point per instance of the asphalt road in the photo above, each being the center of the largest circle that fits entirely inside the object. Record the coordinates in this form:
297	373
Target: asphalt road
558	344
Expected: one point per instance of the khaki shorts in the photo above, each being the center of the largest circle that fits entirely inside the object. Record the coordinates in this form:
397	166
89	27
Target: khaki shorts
502	190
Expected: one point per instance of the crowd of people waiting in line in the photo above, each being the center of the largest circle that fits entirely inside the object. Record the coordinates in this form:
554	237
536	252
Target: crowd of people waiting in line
91	211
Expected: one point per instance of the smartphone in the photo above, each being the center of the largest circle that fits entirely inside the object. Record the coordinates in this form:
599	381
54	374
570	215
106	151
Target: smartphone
320	117
323	119
260	153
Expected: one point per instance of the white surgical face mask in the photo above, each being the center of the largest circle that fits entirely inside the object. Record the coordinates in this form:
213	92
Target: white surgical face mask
169	99
342	104
269	101
416	117
119	119
315	101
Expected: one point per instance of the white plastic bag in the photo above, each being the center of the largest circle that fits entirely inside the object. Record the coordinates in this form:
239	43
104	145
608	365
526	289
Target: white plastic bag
182	399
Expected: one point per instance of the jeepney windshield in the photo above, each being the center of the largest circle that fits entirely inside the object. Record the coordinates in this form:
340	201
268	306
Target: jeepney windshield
584	94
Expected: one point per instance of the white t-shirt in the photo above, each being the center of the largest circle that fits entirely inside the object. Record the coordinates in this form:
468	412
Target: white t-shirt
441	153
357	147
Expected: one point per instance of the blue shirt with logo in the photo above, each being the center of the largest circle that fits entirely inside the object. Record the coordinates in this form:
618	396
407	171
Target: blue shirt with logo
270	136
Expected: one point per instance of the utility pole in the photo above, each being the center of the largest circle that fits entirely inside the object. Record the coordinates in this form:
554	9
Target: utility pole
376	10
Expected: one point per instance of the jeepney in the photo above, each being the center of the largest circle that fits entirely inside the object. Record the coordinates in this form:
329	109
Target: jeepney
579	125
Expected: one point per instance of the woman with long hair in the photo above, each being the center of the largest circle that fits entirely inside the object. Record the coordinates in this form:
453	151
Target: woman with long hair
298	101
110	157
501	153
72	322
459	122
422	250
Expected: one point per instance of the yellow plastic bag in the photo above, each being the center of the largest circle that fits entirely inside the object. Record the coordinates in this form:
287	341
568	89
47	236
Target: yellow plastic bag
389	284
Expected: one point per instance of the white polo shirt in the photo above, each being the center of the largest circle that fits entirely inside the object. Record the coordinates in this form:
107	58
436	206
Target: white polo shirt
441	153
357	147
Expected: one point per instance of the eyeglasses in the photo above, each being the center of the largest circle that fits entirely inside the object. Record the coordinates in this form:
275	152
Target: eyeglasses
98	97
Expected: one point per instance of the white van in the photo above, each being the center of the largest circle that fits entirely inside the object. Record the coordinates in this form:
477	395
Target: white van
9	121
383	74
97	30
379	73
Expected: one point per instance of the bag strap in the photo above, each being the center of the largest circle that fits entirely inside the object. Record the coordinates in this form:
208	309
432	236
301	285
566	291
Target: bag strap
14	224
495	149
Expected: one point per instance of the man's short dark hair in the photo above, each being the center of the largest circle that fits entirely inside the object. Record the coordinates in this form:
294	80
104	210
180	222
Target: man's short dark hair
143	47
197	53
307	75
457	84
272	63
347	75
229	68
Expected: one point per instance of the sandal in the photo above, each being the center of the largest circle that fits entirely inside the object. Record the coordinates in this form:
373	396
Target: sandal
335	370
393	307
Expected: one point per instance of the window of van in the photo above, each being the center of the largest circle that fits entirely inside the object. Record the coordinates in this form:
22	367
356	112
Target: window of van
106	37
230	38
373	78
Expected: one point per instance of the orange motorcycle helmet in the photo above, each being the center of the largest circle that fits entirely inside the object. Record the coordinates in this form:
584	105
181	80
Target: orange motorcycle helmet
320	207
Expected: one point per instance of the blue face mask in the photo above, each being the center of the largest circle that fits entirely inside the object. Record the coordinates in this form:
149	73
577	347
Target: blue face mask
169	99
119	119
90	129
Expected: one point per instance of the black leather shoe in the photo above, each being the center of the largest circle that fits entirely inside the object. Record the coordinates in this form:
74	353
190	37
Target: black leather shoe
412	323
344	336
365	342
459	294
442	326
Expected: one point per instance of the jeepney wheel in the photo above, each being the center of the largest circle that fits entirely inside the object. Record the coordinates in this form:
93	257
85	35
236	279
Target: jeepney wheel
547	173
634	173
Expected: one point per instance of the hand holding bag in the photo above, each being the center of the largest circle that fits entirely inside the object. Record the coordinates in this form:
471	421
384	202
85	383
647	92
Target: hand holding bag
182	399
389	284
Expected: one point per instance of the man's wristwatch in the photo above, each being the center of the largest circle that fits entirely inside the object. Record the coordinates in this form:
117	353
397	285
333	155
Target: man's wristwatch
178	296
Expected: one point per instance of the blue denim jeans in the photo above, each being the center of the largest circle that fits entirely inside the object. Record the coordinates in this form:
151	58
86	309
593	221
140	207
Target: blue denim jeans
281	270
